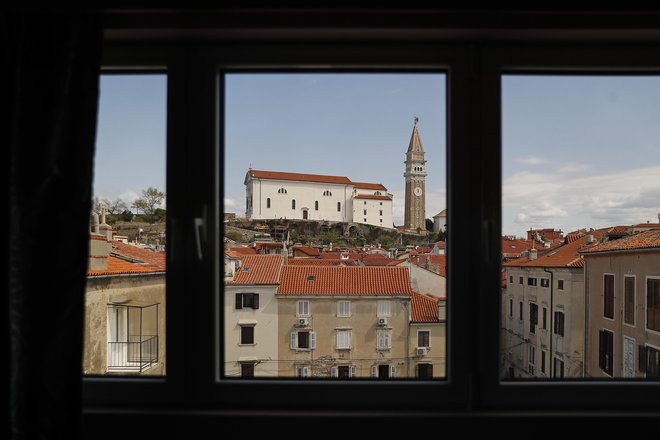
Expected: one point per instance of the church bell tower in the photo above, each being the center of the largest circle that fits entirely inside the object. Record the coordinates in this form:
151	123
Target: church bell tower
415	212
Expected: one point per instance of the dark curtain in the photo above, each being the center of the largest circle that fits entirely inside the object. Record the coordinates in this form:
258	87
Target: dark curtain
50	75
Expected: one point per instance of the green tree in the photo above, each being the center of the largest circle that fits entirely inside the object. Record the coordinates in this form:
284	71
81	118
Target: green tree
150	201
126	215
234	235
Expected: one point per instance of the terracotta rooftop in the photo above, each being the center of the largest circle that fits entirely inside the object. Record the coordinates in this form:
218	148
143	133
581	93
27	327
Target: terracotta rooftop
242	250
306	250
424	308
371	196
313	262
514	248
320	280
642	240
259	269
433	259
348	256
277	175
376	260
567	255
365	185
647	225
128	259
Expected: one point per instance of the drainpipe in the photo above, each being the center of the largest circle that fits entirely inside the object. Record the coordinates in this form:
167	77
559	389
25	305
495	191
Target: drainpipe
552	314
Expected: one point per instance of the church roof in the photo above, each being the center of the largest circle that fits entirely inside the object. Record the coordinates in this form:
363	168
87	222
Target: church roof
371	196
415	145
277	175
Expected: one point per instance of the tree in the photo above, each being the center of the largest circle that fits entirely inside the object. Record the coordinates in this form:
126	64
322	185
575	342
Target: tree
126	215
150	201
429	224
116	207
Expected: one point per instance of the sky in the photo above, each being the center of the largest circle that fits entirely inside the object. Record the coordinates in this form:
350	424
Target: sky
578	151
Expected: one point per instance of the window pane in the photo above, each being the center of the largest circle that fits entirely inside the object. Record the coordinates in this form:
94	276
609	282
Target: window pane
581	186
125	295
343	241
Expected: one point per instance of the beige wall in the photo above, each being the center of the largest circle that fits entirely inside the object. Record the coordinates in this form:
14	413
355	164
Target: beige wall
437	353
425	281
264	351
362	324
641	265
101	291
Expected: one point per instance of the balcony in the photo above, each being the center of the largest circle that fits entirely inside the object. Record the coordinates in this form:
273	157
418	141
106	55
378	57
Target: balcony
137	354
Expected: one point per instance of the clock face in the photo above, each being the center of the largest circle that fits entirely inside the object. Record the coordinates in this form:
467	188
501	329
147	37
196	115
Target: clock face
417	191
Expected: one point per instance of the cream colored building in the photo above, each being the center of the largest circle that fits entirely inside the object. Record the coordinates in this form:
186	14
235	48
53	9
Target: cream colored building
623	303
428	330
251	318
344	322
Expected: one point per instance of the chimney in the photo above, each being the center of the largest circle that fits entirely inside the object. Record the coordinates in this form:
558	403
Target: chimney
95	223
285	251
442	309
532	254
104	228
590	239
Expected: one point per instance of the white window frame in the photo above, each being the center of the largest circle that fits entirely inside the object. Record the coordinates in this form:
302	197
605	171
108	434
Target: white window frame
343	309
302	304
240	335
293	340
383	339
341	343
531	360
384	308
303	371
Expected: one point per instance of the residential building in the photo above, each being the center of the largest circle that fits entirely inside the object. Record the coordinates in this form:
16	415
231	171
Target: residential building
428	274
440	221
543	310
427	343
251	318
275	195
623	303
343	322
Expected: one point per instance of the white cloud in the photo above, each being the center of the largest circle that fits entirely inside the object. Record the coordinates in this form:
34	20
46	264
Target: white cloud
129	196
532	160
229	203
573	167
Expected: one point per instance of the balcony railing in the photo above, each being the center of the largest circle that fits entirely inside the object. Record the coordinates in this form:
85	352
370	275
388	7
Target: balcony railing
137	354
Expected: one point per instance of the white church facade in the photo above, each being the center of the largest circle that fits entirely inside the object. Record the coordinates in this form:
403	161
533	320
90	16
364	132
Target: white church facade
275	195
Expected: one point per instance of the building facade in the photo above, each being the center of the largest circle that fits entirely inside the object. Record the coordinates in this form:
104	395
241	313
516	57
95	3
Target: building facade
427	344
415	175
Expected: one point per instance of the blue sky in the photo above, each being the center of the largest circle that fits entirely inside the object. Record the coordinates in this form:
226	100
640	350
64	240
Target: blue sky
577	151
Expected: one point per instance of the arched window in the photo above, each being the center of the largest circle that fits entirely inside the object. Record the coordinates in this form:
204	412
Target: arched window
281	191
327	193
377	193
293	204
316	205
268	202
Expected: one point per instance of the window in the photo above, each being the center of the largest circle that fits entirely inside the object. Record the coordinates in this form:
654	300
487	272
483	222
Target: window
316	205
247	335
545	321
606	352
531	281
545	282
381	212
558	371
343	309
302	371
608	296
560	284
338	206
383	371
365	220
302	309
303	340
653	304
520	310
511	279
365	202
383	309
629	300
510	308
268	202
533	317
343	339
281	191
247	301
543	361
247	370
377	193
293	204
520	280
559	324
343	371
531	366
423	338
649	361
425	371
365	212
383	339
327	193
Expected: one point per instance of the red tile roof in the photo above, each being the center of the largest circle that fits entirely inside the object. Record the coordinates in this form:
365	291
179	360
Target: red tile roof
309	280
376	260
371	196
642	240
259	269
242	250
313	262
307	250
567	255
433	259
514	248
129	259
348	256
366	185
647	225
277	175
424	308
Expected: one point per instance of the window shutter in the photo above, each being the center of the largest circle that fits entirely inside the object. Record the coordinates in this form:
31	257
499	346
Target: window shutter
392	371
239	300
374	371
305	371
312	340
353	371
601	350
294	340
641	361
255	300
333	372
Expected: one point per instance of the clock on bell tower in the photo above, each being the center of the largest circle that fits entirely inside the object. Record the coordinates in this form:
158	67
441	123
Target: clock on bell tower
415	174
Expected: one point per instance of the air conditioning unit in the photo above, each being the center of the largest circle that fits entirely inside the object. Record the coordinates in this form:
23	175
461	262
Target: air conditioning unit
302	322
382	321
421	351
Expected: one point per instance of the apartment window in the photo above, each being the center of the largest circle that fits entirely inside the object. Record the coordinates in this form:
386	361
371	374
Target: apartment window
531	281
247	301
533	317
268	202
343	339
629	300
425	371
653	304
558	368
303	340
302	371
531	365
383	308
543	361
521	280
343	309
383	371
520	310
423	338
247	335
247	370
545	320
559	324
316	205
383	339
606	351
338	206
560	284
608	296
302	308
649	361
510	308
545	282
293	204
343	371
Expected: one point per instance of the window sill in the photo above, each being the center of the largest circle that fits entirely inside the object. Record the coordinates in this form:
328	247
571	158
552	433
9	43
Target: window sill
247	345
